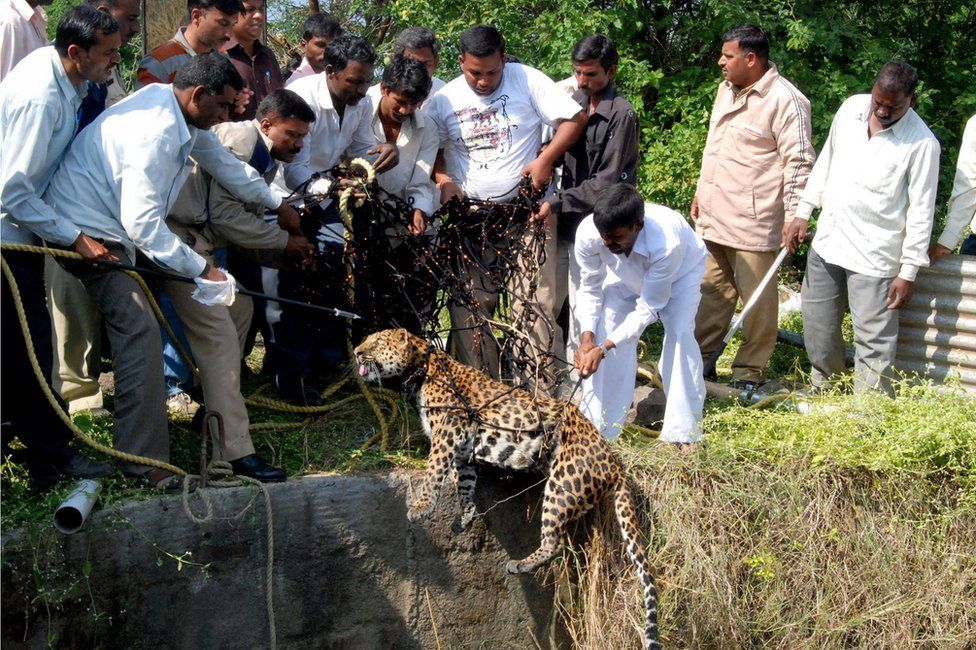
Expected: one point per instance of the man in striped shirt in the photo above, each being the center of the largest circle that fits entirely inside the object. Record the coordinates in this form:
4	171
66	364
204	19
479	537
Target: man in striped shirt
209	28
756	162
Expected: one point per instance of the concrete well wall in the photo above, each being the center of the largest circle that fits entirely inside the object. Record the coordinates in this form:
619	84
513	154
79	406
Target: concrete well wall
350	571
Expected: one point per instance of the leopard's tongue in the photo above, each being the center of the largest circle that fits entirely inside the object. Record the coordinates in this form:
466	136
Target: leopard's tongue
363	370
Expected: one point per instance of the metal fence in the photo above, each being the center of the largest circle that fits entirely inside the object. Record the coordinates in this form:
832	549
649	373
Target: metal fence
937	329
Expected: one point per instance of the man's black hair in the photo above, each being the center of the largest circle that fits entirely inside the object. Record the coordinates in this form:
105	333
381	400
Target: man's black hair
481	41
321	25
82	26
897	77
416	38
408	77
212	70
751	39
348	47
111	4
617	206
285	105
596	46
229	7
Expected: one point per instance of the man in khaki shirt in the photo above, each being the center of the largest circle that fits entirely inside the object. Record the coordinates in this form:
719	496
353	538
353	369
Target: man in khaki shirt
756	162
207	216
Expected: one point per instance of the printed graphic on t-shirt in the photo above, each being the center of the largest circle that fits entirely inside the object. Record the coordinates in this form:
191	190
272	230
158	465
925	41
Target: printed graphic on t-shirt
486	131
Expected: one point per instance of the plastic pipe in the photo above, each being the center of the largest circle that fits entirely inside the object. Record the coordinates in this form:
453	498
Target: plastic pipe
70	516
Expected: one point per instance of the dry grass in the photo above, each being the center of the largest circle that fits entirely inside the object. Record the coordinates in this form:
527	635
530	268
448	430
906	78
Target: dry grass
783	551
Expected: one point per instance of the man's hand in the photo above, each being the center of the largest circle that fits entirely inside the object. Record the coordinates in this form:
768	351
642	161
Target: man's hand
387	158
345	183
419	224
936	251
449	190
900	293
694	209
242	99
300	248
289	219
545	212
540	170
92	250
212	273
794	232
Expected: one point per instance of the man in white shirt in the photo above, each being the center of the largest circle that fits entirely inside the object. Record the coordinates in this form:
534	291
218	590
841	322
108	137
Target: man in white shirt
398	300
118	182
303	344
421	44
75	322
639	263
491	120
318	31
22	30
39	102
962	202
875	182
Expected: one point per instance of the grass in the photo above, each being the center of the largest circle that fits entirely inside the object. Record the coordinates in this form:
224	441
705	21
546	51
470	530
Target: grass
851	526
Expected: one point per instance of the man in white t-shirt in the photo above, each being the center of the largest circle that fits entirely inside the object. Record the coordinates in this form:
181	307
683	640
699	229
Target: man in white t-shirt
490	121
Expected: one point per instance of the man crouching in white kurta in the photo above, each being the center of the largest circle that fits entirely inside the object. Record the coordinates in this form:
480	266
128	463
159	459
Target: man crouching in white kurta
639	262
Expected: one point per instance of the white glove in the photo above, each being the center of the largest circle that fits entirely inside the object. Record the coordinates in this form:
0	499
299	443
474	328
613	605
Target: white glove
210	292
320	186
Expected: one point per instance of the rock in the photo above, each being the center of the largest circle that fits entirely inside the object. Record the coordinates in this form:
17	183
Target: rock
649	406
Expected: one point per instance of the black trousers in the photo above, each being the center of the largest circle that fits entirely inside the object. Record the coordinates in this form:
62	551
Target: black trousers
25	411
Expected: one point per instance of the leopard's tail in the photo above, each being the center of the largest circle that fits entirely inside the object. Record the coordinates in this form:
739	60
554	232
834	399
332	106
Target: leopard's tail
623	501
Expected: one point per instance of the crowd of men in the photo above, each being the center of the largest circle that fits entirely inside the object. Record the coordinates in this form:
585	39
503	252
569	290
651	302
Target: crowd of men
194	173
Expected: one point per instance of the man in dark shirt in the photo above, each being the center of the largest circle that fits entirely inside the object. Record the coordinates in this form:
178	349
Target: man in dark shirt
254	61
604	155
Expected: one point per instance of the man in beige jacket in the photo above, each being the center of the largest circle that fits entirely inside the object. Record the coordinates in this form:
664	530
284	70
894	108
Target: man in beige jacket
207	216
756	162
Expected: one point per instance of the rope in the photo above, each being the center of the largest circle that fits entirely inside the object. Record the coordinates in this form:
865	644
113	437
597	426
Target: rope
46	389
346	214
220	474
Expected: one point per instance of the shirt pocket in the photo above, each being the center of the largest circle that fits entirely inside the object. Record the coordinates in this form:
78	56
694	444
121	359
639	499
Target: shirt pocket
751	141
876	176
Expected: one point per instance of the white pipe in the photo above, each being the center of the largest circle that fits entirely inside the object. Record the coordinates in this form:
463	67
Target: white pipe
70	516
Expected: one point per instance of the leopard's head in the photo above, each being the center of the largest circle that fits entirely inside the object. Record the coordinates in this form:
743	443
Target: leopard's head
387	354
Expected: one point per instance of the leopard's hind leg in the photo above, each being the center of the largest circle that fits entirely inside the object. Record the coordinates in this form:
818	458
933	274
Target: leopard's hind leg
465	479
562	504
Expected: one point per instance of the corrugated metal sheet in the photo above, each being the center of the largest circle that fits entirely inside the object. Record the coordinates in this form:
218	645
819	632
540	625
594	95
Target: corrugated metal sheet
937	329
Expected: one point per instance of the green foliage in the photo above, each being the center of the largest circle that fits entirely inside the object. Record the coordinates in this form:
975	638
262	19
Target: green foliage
830	50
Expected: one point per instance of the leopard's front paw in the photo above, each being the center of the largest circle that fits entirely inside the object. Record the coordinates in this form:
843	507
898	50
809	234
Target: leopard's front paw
419	510
514	566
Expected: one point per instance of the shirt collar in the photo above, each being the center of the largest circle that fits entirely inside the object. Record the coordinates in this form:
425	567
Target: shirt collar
642	246
180	37
897	130
761	86
70	90
187	131
26	11
267	141
603	107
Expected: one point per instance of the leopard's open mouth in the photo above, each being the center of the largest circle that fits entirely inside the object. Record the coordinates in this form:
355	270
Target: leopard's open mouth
368	367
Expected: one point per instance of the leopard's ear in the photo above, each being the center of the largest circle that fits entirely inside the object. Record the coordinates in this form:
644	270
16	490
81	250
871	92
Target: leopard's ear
402	336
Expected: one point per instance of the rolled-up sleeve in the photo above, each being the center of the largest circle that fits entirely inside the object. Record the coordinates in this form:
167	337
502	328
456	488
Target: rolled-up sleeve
923	180
654	296
26	157
242	181
143	207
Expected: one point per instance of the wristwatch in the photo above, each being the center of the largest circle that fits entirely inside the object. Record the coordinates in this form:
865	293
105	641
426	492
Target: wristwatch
603	350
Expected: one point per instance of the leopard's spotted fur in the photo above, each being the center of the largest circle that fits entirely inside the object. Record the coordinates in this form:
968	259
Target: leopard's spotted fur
470	417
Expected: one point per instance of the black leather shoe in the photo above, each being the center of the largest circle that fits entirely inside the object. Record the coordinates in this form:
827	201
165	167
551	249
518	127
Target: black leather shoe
81	467
256	468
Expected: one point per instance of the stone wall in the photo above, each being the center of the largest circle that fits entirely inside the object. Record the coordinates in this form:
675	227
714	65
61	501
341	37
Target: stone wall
349	572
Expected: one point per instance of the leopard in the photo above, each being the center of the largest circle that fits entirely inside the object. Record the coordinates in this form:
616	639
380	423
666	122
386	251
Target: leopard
471	418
